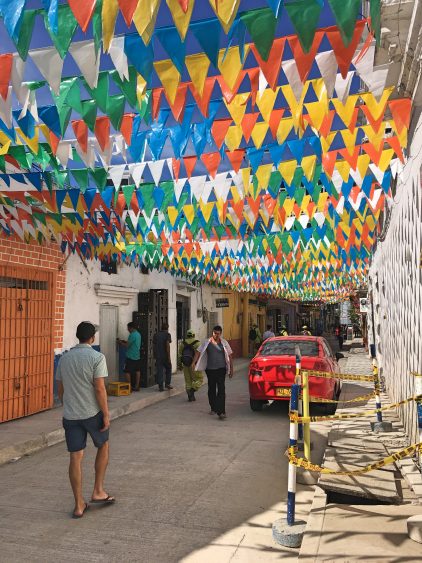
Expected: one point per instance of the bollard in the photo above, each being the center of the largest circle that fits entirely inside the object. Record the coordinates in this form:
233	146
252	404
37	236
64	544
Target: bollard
289	531
380	425
306	425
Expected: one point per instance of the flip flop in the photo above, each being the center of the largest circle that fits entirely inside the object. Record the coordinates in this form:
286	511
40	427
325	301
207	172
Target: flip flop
77	516
108	500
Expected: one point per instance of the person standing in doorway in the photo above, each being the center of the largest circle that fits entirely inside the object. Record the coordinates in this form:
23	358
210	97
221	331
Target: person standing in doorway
268	333
133	356
80	374
186	353
216	357
161	344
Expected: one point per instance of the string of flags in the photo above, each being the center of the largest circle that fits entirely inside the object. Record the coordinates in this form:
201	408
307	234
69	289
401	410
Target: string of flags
234	147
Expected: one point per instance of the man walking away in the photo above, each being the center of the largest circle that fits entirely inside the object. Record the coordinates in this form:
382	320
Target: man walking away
268	333
133	355
81	373
186	353
216	357
161	343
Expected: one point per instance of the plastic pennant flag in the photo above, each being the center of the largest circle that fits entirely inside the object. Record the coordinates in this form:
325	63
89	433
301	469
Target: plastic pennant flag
327	65
261	25
181	18
207	33
128	7
83	11
230	64
271	67
345	55
304	60
12	12
170	40
145	17
87	60
198	65
110	9
66	27
50	65
140	55
226	12
118	56
169	77
304	15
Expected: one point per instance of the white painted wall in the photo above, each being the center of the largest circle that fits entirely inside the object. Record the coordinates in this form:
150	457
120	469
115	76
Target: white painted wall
82	302
395	281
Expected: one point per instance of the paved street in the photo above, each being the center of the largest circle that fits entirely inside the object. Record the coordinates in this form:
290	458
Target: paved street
189	488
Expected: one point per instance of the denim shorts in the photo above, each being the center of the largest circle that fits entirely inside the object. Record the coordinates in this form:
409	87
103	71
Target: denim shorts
76	432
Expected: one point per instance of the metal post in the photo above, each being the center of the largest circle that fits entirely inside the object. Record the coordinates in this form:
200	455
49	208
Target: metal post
306	425
380	425
298	380
291	484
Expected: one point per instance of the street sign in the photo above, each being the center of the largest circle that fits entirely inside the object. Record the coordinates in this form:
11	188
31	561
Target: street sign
221	303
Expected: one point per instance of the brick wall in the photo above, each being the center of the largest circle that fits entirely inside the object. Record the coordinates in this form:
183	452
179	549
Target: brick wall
46	257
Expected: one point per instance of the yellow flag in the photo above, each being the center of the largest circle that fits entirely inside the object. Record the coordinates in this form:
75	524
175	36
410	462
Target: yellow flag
144	18
287	170
32	142
189	212
225	11
172	213
343	167
246	178
385	159
234	137
377	108
180	18
219	204
263	175
169	76
198	65
108	15
308	166
141	88
206	209
349	139
317	112
377	139
322	201
258	133
5	148
265	102
237	107
284	128
288	206
230	64
363	163
345	111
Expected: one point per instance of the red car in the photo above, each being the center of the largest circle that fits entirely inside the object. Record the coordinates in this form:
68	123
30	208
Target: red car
273	369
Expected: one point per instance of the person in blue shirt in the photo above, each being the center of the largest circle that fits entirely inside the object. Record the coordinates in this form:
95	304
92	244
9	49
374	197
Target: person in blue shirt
133	355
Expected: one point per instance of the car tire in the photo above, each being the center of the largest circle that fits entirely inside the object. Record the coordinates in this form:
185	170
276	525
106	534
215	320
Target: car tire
256	405
330	408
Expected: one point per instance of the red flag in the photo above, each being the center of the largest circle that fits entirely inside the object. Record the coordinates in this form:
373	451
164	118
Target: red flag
219	130
126	127
344	55
190	162
102	131
304	60
401	111
127	7
5	73
211	161
271	67
82	10
80	129
236	158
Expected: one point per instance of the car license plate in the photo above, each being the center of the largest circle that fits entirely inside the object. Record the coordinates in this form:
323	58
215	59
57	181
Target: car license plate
282	391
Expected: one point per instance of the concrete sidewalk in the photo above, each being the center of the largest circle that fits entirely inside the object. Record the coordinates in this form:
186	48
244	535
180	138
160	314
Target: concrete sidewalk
27	435
361	517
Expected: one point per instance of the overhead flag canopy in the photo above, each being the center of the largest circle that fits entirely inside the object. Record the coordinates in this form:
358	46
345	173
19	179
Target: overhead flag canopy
250	144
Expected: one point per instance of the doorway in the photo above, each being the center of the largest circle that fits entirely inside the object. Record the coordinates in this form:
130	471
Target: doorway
26	341
182	317
109	319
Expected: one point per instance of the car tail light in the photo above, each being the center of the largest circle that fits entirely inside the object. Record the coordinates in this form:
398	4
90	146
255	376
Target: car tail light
255	371
320	366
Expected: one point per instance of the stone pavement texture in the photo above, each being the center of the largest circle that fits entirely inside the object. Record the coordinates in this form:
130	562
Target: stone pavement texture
354	530
189	488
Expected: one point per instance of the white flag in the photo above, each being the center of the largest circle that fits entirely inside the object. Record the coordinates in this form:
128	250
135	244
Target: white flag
87	59
50	64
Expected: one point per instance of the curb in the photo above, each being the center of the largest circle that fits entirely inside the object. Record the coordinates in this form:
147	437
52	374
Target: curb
47	439
313	532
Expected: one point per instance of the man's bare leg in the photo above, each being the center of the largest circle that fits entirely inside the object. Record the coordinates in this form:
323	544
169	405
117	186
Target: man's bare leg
75	476
137	380
101	462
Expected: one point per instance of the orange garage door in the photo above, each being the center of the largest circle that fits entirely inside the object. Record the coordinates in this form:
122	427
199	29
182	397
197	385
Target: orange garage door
26	341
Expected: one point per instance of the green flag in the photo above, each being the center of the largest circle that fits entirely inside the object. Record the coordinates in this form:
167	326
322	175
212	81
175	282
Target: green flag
127	87
100	93
89	113
100	177
261	25
67	25
304	15
81	177
375	12
115	109
25	34
346	13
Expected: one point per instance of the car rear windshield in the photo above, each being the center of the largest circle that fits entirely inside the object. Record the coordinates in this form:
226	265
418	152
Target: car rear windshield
287	348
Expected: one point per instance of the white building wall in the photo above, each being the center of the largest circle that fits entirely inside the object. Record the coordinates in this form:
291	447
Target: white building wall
395	283
83	298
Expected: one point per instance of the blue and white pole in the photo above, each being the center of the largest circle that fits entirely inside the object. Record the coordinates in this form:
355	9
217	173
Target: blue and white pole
418	392
298	379
380	425
291	483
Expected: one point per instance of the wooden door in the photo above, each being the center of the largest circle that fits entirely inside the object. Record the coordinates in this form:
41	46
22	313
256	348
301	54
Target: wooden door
26	341
109	317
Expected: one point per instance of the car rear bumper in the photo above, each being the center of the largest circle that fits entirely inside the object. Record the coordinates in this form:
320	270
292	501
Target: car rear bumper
276	391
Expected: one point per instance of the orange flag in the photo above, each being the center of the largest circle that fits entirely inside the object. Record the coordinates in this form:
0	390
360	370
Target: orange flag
82	10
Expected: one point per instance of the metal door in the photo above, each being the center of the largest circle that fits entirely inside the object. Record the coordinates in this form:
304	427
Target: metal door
109	318
26	341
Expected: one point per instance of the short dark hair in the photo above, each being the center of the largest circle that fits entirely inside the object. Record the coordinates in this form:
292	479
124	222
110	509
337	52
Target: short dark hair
164	326
85	330
269	327
217	328
131	325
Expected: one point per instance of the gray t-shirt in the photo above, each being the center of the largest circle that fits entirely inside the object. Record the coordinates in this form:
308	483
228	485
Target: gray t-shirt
77	370
216	358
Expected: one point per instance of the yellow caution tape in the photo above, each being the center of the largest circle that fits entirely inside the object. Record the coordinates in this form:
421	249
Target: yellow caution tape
301	462
295	418
285	392
416	374
344	376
